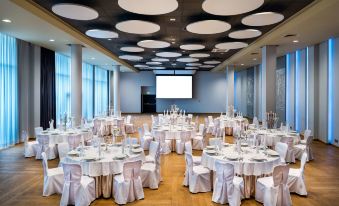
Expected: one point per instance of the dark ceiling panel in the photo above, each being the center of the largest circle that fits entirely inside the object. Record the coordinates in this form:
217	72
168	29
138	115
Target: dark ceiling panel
189	11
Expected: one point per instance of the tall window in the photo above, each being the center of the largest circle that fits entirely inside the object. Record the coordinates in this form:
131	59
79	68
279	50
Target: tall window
101	91
87	90
62	85
8	92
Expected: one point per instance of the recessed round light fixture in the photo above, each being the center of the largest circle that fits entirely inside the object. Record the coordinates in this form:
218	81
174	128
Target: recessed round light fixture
140	66
172	19
153	44
231	45
132	49
295	41
187	59
199	55
192	47
193	64
131	57
7	20
157	67
262	19
212	62
168	54
208	27
191	68
207	66
254	59
92	58
153	63
149	7
137	27
230	7
103	34
75	11
242	64
51	40
245	34
160	60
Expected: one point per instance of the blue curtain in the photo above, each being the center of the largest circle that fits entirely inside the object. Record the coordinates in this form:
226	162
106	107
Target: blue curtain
9	116
87	90
101	91
62	85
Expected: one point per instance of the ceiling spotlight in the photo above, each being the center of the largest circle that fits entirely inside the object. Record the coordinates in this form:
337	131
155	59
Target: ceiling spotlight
92	58
109	39
221	53
174	64
173	42
172	19
295	41
254	59
52	40
242	64
153	51
7	20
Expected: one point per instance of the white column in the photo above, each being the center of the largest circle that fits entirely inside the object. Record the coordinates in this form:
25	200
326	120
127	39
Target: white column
116	89
111	90
76	83
229	86
269	64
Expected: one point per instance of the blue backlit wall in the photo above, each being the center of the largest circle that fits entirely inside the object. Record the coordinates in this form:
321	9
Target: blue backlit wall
331	51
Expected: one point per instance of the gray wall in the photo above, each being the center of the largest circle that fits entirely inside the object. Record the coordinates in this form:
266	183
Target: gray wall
209	93
244	91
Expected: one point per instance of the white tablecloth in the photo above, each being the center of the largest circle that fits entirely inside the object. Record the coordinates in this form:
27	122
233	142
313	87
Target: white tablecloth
271	137
174	131
58	136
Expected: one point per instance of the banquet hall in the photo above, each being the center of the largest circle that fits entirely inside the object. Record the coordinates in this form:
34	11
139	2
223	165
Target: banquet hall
169	102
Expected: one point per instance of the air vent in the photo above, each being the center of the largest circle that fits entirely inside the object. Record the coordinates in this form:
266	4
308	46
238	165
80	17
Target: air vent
215	50
290	35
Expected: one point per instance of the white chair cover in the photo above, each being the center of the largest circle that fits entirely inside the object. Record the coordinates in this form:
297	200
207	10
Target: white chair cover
197	178
37	131
307	133
131	140
198	139
145	141
281	148
256	122
74	141
296	179
150	172
30	146
44	146
290	157
227	187
185	136
63	149
215	142
273	191
188	149
129	125
299	149
127	187
152	152
165	146
146	130
78	190
53	178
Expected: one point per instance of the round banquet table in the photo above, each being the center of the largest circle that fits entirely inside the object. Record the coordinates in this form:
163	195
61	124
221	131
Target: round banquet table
59	136
272	136
247	168
103	169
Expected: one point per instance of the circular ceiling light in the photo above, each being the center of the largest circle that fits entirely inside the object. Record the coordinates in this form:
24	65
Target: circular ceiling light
137	27
131	57
140	66
75	11
132	49
158	68
191	68
245	34
153	44
207	66
199	55
153	63
262	19
160	60
104	34
212	62
208	27
230	7
193	64
168	54
149	7
187	59
231	45
192	46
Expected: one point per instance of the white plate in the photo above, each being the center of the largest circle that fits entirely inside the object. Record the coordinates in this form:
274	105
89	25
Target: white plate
272	153
87	158
232	156
135	145
120	156
244	144
137	150
225	144
211	151
210	147
73	152
259	158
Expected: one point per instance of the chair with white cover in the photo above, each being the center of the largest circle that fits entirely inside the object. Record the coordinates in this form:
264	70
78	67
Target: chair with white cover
45	146
150	171
53	178
281	148
273	191
227	187
198	138
290	157
185	136
256	122
63	149
296	179
152	152
127	187
307	133
78	190
30	146
188	149
216	126
165	145
37	131
146	130
74	141
210	125
129	125
130	140
299	149
145	140
215	141
197	177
